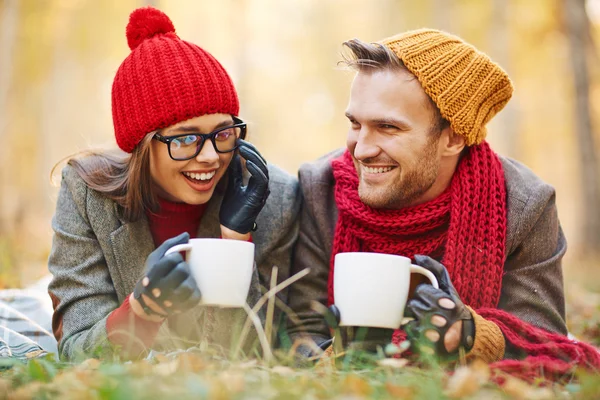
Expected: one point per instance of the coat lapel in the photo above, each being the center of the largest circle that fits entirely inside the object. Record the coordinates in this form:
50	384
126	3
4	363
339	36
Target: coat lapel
131	242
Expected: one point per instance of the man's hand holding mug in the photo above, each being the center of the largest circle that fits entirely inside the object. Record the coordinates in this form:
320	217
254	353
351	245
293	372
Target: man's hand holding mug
439	321
371	290
442	323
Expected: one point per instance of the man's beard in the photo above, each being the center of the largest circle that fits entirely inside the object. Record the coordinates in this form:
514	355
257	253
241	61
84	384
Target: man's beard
407	187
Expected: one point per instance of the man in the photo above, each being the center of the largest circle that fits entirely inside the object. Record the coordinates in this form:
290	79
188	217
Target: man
419	180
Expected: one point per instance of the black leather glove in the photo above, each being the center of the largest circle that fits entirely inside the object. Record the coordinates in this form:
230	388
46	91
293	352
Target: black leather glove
168	281
426	304
242	204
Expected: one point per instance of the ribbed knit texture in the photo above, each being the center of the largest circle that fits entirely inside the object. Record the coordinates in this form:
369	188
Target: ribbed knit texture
468	87
165	80
489	344
173	219
550	355
468	222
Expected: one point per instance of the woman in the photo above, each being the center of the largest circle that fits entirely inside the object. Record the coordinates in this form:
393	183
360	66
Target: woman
175	118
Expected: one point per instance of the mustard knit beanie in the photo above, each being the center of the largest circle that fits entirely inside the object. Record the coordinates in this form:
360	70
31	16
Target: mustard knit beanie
468	87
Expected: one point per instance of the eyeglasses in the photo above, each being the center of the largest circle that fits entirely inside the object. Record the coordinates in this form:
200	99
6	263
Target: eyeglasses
188	145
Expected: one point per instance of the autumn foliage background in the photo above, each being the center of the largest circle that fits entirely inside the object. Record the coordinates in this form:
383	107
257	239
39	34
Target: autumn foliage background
58	59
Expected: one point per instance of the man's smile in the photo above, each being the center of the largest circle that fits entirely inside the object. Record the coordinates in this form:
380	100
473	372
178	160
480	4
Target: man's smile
375	173
376	170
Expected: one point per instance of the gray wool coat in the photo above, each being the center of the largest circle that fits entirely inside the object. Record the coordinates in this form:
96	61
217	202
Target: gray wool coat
97	258
532	286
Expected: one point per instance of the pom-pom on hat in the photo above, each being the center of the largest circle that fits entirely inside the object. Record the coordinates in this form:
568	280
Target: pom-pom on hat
165	80
465	84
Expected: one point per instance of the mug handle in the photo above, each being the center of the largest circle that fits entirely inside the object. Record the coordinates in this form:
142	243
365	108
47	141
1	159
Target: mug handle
419	270
183	247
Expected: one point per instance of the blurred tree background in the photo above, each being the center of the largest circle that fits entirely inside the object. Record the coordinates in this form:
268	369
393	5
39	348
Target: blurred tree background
58	59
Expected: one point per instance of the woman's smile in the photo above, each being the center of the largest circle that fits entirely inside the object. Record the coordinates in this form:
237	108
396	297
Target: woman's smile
200	181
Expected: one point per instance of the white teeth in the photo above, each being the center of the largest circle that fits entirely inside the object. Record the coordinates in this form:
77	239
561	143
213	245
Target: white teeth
379	170
204	176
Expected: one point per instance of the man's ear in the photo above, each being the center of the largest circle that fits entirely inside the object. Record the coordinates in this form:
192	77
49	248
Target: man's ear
453	142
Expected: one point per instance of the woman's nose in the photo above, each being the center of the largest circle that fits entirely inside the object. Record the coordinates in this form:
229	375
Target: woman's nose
208	153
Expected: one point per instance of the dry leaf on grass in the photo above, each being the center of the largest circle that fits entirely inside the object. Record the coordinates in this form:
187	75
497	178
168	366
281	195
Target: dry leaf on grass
140	368
76	380
191	362
90	363
218	391
467	380
26	391
463	383
247	365
357	386
541	394
166	369
521	390
488	394
282	370
515	387
402	392
161	358
396	363
234	381
326	362
89	379
5	386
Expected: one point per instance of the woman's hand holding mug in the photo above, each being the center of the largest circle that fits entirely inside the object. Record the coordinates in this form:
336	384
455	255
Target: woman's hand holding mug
167	286
242	204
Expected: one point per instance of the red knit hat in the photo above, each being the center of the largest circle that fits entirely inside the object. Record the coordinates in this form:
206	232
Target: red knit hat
165	80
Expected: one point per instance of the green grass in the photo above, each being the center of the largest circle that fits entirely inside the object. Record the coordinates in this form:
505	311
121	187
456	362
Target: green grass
198	375
208	374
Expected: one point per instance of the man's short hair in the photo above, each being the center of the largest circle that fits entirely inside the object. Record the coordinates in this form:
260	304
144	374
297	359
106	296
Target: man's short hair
370	57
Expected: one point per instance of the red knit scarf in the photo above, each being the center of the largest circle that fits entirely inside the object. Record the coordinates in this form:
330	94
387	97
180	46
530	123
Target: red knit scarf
466	227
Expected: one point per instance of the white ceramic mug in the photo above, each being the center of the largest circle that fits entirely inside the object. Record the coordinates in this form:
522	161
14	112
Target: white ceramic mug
222	269
371	289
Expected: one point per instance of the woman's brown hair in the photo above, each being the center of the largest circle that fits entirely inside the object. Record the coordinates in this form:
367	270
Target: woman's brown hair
124	178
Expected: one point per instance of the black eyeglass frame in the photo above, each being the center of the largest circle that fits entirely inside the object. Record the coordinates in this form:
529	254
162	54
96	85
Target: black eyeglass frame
237	123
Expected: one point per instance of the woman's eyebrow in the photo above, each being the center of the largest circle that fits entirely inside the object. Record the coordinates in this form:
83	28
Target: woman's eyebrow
195	129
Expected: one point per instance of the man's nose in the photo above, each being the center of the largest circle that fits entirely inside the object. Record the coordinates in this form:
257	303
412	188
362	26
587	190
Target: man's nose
366	146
